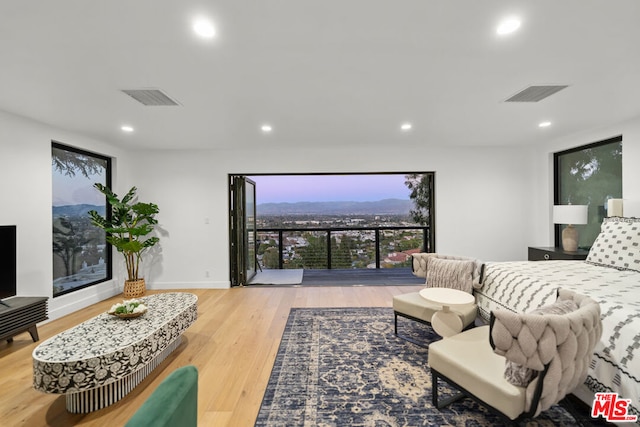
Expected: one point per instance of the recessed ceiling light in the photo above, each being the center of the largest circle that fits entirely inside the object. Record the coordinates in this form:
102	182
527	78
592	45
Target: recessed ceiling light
508	26
544	124
266	128
126	128
204	28
406	127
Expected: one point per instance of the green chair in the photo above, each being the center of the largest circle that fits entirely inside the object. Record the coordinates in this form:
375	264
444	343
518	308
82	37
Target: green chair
173	403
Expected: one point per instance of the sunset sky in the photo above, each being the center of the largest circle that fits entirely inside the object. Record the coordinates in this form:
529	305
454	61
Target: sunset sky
329	188
76	190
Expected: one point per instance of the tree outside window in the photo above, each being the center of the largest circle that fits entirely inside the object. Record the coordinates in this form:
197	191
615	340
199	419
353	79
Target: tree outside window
589	175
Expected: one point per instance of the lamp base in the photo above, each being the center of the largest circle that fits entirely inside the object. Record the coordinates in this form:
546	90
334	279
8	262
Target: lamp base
570	239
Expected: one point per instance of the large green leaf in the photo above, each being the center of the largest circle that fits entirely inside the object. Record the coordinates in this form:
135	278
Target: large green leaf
129	221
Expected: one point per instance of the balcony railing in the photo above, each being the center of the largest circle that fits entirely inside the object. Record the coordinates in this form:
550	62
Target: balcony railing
340	247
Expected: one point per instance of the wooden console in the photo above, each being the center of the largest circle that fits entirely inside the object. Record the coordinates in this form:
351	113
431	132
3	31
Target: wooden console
22	315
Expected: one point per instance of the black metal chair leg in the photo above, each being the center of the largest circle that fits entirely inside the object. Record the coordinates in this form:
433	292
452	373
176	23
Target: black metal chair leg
434	393
395	323
406	338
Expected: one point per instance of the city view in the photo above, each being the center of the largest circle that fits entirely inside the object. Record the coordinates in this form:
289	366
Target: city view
322	233
352	242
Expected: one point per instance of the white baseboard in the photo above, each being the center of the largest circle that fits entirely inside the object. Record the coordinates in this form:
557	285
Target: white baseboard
189	285
66	304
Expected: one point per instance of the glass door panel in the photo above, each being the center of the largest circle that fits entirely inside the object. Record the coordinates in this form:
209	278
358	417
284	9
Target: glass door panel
242	203
250	229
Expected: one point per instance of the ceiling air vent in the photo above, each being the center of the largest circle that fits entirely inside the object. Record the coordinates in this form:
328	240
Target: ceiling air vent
535	93
151	97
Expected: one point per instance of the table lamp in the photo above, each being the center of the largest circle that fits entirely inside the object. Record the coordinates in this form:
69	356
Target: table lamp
570	215
614	207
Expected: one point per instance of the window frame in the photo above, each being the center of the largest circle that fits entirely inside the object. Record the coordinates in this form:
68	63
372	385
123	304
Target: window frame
108	252
557	178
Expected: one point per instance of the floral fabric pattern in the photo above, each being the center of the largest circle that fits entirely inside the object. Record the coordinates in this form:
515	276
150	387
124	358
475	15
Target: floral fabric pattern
106	348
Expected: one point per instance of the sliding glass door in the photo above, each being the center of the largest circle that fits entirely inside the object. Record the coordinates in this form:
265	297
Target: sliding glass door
242	203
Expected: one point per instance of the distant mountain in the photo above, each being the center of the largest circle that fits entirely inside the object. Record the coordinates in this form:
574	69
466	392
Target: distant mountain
380	207
73	211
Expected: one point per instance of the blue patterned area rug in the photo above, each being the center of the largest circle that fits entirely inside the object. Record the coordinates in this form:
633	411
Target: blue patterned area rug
345	367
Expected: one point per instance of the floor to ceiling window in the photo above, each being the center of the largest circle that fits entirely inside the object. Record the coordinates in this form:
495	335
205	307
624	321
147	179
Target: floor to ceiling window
81	255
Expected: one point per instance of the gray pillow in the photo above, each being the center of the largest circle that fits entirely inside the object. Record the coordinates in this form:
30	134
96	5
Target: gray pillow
450	273
519	375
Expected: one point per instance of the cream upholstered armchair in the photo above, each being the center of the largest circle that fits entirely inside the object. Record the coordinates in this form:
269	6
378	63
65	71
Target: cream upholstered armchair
521	364
439	270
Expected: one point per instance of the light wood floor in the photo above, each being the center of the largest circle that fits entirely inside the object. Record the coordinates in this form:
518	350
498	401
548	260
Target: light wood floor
233	344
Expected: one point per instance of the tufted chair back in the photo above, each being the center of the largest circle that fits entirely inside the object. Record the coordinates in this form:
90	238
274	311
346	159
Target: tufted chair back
559	344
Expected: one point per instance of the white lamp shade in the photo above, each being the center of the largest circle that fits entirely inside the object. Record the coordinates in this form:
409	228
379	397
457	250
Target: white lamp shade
570	214
614	207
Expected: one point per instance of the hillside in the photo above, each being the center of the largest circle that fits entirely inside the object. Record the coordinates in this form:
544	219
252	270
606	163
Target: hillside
380	207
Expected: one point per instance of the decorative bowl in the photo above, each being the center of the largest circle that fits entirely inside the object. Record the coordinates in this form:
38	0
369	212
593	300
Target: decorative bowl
128	315
128	309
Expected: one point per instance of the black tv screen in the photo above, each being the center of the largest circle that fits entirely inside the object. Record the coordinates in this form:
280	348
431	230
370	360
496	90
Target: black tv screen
7	261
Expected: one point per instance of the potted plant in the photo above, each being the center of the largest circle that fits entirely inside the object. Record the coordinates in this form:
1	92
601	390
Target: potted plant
127	227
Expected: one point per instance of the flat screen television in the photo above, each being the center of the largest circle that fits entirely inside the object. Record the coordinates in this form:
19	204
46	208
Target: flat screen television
8	256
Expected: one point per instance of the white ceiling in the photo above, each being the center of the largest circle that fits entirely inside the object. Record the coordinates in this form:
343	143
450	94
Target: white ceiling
322	72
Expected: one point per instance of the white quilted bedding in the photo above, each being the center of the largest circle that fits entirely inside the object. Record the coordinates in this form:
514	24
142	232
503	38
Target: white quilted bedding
526	285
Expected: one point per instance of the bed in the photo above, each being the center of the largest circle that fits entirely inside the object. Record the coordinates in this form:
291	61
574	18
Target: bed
610	275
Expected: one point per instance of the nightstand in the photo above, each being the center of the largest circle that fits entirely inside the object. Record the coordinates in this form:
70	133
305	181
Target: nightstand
551	253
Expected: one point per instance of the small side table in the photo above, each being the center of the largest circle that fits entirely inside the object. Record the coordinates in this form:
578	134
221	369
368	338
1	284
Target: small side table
551	253
445	322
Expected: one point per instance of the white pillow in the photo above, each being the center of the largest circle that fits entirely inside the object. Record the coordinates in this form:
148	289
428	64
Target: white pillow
617	245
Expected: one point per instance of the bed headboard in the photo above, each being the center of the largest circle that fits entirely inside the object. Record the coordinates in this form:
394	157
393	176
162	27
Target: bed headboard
632	208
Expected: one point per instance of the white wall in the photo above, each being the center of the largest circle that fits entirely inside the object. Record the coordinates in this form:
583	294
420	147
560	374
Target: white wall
25	201
481	204
190	191
491	202
541	230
